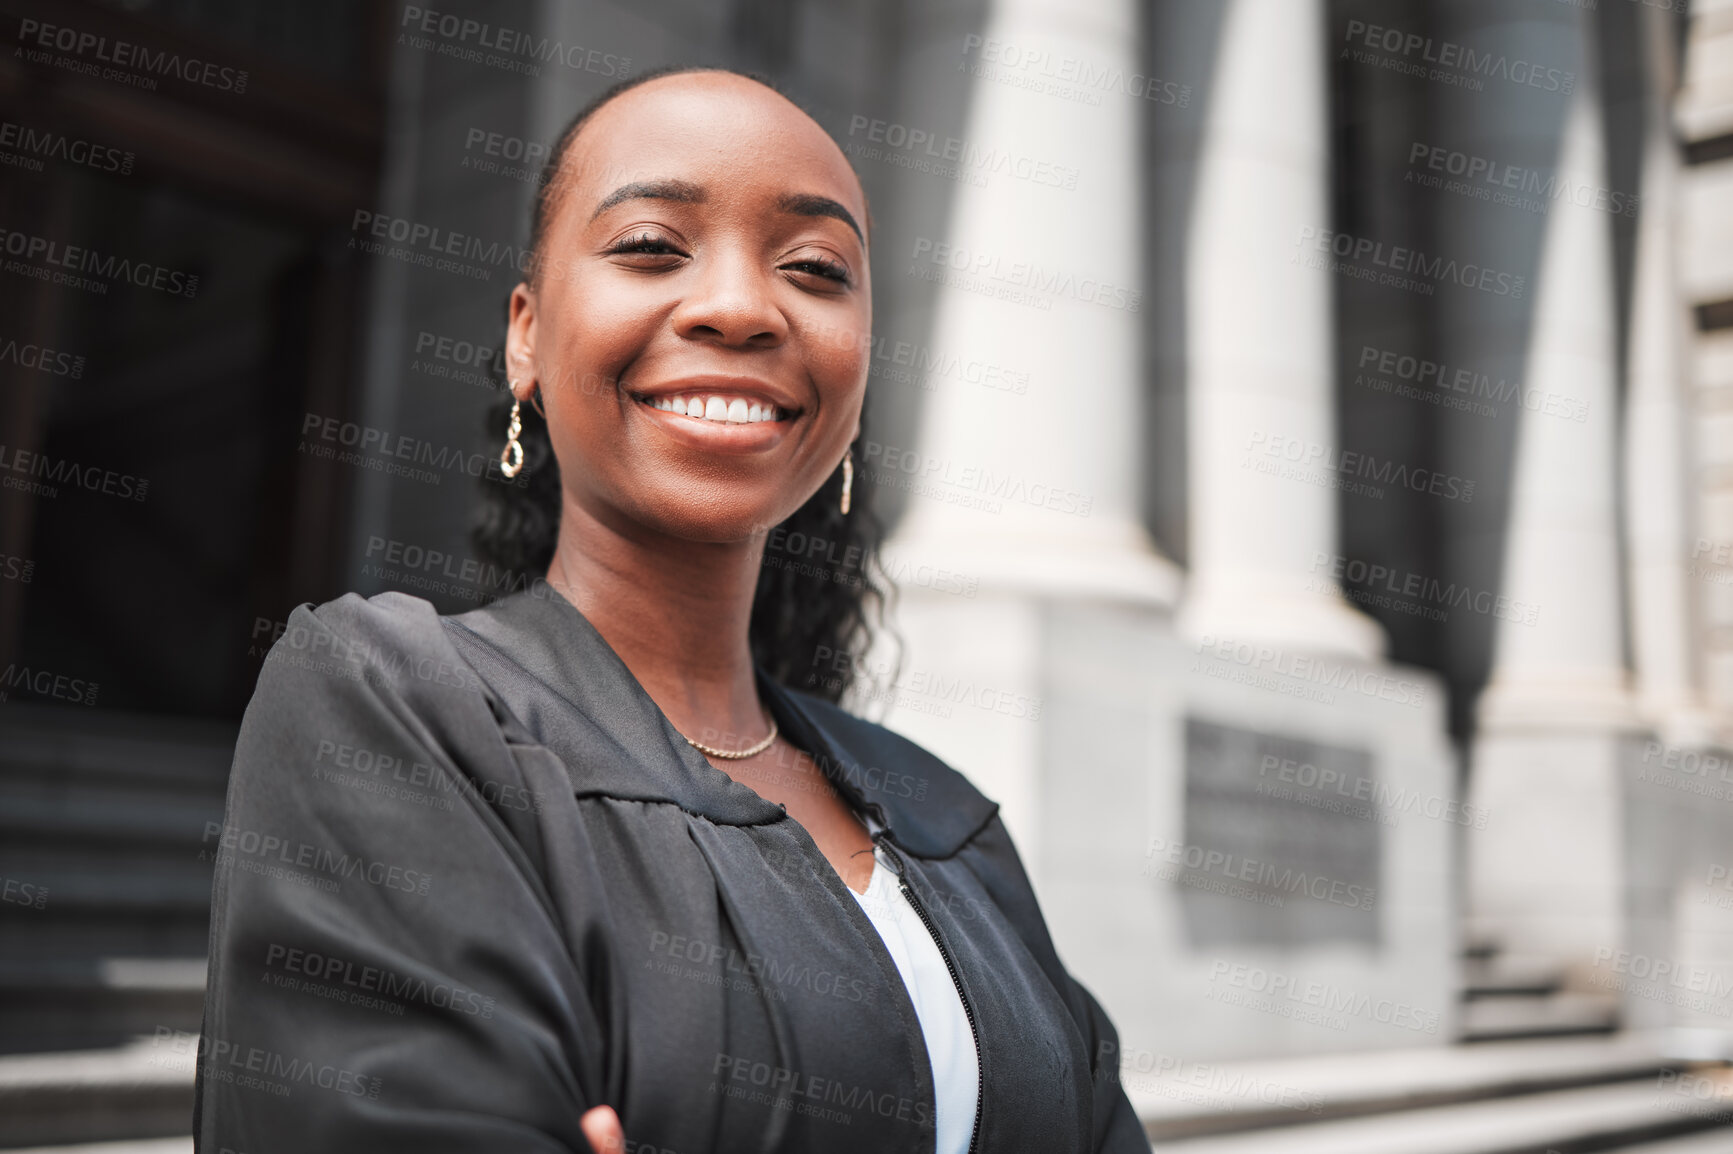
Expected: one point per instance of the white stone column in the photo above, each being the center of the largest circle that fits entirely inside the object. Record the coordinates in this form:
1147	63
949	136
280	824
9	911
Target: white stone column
1546	875
1658	459
1260	342
1039	275
1018	498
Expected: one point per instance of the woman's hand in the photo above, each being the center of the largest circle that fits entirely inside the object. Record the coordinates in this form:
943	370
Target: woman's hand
601	1126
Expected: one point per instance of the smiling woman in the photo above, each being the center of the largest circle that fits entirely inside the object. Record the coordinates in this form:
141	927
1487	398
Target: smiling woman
662	899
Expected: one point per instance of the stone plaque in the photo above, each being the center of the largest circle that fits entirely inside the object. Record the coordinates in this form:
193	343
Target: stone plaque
1282	840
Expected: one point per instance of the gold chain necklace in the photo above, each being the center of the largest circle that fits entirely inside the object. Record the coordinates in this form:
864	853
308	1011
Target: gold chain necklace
735	754
709	750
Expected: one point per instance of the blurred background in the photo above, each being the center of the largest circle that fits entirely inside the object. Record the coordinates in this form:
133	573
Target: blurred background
1308	431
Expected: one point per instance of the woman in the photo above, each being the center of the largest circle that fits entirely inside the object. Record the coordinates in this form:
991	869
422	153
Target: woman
575	870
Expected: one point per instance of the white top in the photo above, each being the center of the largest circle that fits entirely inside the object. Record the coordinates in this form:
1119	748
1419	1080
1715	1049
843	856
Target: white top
938	1005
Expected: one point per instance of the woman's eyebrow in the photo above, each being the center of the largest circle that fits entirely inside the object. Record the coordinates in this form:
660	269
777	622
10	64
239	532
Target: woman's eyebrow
808	204
681	190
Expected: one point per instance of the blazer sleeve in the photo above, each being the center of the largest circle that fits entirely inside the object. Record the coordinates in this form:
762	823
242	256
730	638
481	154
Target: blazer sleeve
386	970
994	858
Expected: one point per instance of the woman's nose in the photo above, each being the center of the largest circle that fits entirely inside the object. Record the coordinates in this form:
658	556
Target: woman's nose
730	301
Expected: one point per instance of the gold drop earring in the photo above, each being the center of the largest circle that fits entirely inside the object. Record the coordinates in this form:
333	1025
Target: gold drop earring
511	458
847	480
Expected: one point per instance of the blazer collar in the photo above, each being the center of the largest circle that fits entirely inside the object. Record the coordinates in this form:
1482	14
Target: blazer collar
629	749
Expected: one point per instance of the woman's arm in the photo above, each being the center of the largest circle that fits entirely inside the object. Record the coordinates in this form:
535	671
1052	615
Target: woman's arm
386	972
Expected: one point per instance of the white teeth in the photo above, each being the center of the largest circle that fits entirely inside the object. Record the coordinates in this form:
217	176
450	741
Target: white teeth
735	411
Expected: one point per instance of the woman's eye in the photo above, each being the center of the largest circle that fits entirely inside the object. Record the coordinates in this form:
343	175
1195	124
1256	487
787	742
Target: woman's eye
817	266
644	244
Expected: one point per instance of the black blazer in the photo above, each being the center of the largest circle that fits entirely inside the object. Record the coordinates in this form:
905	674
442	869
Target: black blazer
472	882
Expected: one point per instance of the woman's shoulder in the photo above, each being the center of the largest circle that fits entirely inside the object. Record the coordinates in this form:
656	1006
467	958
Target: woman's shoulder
392	642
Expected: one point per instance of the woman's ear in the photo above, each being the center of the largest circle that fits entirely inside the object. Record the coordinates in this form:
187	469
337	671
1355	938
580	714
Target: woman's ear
520	342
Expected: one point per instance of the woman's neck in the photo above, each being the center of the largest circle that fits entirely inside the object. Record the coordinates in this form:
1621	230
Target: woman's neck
677	613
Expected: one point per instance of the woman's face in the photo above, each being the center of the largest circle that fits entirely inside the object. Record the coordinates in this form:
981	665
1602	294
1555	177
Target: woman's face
704	256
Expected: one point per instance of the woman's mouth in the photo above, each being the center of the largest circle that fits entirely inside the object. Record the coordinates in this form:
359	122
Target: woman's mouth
717	407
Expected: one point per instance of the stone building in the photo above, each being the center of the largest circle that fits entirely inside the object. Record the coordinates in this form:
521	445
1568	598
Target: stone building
1304	422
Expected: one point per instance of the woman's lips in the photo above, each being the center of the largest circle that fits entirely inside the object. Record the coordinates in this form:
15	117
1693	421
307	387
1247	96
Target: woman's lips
721	433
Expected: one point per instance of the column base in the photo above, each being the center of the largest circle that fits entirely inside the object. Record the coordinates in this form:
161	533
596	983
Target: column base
1113	566
1596	702
1546	874
1308	622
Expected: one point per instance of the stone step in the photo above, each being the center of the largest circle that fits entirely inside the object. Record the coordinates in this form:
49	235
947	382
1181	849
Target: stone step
1538	1016
1560	1121
1494	977
140	1090
1716	1141
113	818
181	1145
88	1003
73	747
1197	1099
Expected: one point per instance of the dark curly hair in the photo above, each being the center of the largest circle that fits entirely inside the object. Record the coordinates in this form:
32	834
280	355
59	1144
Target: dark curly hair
821	593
